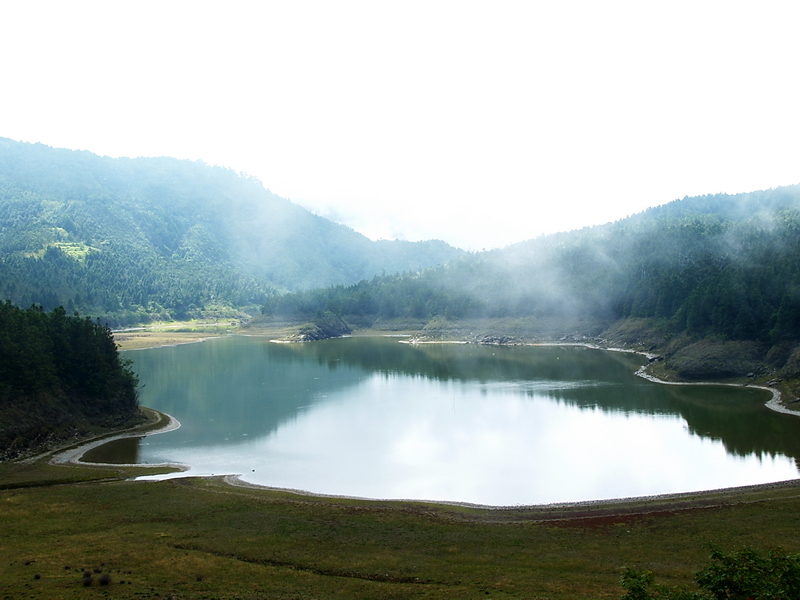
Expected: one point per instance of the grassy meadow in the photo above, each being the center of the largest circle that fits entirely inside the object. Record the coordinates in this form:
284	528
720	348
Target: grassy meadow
202	538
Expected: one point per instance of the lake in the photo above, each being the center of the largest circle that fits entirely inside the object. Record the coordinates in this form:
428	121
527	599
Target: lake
496	425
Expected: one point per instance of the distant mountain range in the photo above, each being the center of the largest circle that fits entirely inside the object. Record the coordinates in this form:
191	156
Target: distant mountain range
137	239
719	268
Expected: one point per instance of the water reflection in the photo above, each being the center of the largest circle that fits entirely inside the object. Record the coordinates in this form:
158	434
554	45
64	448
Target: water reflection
124	451
497	425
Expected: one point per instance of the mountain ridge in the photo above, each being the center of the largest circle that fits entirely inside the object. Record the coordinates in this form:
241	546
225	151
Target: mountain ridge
132	239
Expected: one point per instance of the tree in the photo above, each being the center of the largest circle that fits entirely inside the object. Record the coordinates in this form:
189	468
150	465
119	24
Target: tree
59	373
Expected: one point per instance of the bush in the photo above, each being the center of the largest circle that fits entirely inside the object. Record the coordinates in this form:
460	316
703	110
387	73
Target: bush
741	575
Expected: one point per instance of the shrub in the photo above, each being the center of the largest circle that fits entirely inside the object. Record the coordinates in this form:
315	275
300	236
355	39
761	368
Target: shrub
740	575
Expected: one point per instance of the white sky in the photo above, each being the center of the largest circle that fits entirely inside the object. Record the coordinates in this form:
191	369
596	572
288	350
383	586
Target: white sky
480	123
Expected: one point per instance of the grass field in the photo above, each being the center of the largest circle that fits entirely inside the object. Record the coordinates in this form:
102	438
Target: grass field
203	538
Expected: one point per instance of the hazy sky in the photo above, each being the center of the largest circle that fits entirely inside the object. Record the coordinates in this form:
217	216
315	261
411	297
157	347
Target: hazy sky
480	123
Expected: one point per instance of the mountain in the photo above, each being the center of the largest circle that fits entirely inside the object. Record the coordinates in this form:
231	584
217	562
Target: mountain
713	265
136	239
721	268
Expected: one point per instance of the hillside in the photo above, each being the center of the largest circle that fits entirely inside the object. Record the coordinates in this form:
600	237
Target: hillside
138	239
724	270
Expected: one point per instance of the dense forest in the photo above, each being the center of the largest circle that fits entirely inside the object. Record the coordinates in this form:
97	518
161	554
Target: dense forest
724	266
132	240
60	375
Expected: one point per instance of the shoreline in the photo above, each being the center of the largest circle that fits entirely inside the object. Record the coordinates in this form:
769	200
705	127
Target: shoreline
73	455
189	332
774	403
656	501
173	343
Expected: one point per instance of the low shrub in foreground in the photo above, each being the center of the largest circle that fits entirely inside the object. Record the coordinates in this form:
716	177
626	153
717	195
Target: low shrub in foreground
740	575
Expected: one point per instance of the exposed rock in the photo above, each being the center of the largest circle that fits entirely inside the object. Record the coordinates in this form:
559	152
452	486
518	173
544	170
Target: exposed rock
496	340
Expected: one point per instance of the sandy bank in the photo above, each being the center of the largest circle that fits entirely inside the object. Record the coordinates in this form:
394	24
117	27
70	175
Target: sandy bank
189	332
74	455
141	340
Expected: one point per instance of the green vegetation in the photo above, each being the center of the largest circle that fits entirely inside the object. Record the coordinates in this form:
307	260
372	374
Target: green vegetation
740	575
137	240
715	266
200	538
60	377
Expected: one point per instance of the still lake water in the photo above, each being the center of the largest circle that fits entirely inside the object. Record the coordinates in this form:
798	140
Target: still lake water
372	417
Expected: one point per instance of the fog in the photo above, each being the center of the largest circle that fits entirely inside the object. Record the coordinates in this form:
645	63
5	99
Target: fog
482	125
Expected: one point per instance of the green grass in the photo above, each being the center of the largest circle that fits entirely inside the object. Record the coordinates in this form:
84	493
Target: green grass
200	538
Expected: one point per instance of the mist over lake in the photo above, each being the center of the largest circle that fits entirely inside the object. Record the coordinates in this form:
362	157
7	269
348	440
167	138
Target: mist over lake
372	417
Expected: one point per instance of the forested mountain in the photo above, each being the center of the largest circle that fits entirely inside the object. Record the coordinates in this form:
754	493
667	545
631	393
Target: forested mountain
60	376
722	266
135	239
